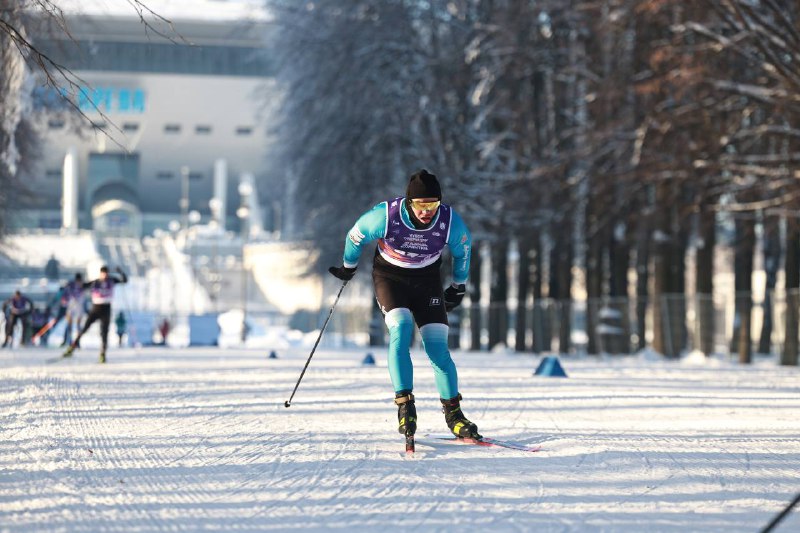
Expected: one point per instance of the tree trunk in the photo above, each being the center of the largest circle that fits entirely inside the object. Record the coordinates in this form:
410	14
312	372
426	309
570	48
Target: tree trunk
789	356
642	282
539	329
619	262
594	288
772	259
523	287
498	295
704	281
743	282
677	288
662	273
560	283
475	296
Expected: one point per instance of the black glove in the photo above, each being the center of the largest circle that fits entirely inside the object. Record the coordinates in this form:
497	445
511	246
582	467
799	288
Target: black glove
453	296
343	273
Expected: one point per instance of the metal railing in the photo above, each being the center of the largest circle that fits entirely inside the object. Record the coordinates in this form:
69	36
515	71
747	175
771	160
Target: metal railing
671	325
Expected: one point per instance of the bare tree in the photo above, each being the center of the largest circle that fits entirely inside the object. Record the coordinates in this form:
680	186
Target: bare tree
762	40
17	136
602	134
363	123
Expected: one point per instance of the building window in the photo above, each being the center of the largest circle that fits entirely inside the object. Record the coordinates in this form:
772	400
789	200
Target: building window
130	127
195	175
244	130
108	55
172	128
202	129
55	123
54	173
164	175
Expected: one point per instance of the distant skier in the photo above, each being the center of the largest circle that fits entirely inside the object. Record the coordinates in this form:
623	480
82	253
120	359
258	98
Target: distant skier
16	309
121	324
60	301
412	232
163	330
51	268
102	292
76	306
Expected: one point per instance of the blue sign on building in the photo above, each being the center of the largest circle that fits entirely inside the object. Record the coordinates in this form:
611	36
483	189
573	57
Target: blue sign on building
111	99
90	99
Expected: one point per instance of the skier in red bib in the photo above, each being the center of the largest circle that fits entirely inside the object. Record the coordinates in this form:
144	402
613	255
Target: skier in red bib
102	293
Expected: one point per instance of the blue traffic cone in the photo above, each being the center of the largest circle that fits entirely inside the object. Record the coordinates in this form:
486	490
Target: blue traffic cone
550	366
368	360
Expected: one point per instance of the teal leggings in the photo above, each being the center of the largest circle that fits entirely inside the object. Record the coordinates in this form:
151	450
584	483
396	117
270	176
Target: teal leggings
434	339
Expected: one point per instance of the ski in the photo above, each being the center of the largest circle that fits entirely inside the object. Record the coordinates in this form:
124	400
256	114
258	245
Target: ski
487	442
56	359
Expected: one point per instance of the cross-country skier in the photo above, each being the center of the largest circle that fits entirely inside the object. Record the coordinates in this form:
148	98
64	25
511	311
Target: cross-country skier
17	308
76	306
60	299
102	292
412	232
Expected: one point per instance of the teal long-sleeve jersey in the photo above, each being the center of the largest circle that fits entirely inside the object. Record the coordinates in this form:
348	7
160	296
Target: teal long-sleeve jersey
403	245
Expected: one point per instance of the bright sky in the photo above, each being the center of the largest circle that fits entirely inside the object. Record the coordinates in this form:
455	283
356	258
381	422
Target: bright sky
171	9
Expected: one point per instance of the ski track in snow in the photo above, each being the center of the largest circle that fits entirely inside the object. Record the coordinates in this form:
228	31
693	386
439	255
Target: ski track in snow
198	439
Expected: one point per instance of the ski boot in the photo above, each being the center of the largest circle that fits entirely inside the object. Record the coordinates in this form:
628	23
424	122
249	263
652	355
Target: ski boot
406	413
456	421
406	417
102	356
71	349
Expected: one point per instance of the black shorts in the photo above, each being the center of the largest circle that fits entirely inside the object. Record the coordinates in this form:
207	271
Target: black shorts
424	296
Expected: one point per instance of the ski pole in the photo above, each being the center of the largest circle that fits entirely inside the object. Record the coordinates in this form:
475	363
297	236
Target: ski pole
288	402
781	515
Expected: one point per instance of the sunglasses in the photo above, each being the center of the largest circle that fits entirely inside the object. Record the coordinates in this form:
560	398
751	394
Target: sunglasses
419	205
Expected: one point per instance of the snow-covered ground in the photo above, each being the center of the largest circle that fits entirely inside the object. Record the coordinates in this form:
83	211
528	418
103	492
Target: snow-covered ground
199	440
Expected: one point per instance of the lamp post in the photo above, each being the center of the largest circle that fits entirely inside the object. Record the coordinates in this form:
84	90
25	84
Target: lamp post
174	228
277	220
245	189
194	217
215	205
184	203
158	244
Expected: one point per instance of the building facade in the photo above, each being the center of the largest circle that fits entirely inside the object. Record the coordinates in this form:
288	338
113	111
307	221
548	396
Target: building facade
170	125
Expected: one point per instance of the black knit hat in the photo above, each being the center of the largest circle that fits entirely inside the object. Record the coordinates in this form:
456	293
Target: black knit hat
423	184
